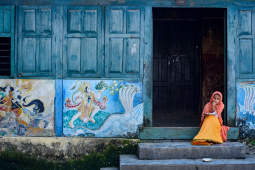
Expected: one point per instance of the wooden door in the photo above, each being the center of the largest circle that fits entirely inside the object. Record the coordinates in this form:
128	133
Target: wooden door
124	45
181	63
161	68
36	50
82	41
173	73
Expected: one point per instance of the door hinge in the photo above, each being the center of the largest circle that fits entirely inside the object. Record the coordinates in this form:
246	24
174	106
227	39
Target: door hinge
144	64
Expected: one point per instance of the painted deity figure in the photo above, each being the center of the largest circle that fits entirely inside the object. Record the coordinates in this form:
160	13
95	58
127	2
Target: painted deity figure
86	103
14	112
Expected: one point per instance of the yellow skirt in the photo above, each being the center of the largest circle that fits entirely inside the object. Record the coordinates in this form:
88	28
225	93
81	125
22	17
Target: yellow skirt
209	132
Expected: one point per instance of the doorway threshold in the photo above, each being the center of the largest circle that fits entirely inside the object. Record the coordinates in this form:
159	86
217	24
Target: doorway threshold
178	132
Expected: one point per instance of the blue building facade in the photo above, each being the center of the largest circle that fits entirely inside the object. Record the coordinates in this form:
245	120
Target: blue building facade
90	68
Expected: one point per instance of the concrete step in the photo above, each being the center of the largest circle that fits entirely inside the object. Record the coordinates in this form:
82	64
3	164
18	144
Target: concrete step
131	162
109	168
185	150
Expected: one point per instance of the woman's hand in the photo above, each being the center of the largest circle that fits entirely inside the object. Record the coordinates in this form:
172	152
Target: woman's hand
213	106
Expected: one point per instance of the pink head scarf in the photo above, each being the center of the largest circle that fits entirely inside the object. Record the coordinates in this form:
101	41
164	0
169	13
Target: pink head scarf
219	108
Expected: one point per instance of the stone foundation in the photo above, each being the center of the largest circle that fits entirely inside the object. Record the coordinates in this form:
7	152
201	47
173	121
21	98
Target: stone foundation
60	148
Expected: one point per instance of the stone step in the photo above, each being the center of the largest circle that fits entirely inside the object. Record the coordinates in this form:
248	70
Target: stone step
131	162
185	150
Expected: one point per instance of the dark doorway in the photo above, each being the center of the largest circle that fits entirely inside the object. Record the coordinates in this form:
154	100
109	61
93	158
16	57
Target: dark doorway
182	81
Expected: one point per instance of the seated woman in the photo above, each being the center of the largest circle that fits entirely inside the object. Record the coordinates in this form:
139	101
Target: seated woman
212	129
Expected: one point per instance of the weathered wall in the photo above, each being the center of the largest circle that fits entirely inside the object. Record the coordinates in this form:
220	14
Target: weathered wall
207	55
59	148
27	107
109	108
245	109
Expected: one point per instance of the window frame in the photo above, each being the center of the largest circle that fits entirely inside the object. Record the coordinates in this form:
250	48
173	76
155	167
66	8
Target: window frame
10	34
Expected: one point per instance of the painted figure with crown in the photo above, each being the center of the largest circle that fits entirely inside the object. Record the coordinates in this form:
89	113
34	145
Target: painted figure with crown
86	102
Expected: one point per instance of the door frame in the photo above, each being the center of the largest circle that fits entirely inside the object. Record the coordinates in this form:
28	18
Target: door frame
150	132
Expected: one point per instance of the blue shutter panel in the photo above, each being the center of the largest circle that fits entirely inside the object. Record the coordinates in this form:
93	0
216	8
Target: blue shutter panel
124	41
245	42
82	41
36	56
6	20
7	14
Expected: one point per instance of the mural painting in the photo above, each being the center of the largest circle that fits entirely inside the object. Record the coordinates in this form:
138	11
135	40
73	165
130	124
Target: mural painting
102	108
245	117
27	107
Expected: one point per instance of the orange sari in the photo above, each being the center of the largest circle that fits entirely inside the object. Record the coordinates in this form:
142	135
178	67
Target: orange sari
212	128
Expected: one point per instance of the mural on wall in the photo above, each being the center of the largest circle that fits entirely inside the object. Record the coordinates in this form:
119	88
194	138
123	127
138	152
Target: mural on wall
245	117
102	108
27	107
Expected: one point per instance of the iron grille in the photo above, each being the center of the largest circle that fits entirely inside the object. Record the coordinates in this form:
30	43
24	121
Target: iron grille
5	56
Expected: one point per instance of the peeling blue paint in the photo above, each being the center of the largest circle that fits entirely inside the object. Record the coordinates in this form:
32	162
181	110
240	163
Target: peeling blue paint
245	108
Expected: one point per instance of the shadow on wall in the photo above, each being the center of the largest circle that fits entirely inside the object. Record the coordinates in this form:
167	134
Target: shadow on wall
212	53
